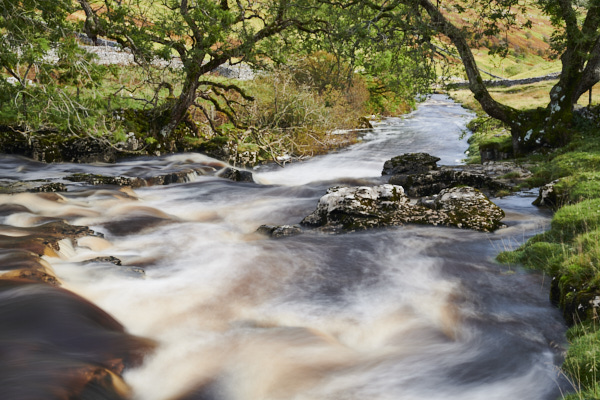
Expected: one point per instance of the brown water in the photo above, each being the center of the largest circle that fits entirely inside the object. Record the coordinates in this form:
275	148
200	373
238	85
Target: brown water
406	313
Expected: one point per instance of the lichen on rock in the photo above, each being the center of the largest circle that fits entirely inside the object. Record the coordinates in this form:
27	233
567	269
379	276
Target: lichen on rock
348	209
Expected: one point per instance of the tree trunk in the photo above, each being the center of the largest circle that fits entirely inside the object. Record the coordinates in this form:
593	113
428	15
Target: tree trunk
508	115
591	73
182	104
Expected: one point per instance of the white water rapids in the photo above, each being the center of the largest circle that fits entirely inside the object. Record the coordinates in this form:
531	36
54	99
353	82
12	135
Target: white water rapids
405	313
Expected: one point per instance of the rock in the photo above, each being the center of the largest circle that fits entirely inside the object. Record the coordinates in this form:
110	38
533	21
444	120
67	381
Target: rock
237	175
434	181
550	196
495	151
410	163
106	259
348	209
491	177
358	208
35	186
95	179
50	187
178	176
280	231
464	207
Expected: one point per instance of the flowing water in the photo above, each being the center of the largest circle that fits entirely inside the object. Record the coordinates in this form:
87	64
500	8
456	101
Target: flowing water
411	312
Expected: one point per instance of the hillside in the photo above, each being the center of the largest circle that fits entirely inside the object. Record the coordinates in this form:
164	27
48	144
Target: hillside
529	52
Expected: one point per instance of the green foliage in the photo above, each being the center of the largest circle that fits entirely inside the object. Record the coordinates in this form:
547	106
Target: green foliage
51	81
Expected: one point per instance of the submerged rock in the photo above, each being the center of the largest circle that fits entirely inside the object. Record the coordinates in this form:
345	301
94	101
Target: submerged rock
55	344
348	209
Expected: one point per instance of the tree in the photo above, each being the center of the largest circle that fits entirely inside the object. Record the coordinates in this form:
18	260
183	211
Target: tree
40	55
577	39
577	36
202	34
367	39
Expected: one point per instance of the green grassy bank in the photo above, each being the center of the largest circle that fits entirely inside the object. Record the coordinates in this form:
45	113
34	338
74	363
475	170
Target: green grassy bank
569	252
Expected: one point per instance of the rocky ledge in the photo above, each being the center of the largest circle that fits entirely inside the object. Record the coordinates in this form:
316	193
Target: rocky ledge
348	209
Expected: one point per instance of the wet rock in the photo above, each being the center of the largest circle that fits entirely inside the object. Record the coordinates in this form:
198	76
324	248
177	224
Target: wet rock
358	208
106	259
492	177
169	178
95	179
55	344
348	209
36	186
434	181
236	175
50	187
279	231
410	163
551	196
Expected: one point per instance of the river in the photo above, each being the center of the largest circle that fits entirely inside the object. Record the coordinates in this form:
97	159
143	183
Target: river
411	312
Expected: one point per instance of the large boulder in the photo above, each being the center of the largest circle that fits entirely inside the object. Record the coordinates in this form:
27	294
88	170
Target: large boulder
410	163
359	207
492	177
433	182
348	209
